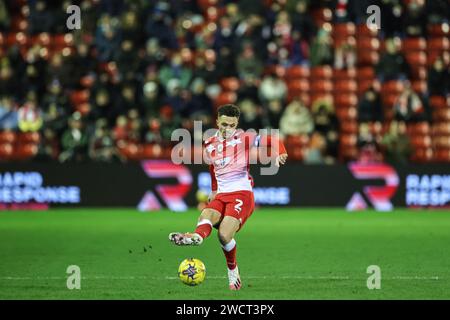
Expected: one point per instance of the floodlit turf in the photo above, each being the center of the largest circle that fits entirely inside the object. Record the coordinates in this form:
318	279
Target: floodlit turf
282	254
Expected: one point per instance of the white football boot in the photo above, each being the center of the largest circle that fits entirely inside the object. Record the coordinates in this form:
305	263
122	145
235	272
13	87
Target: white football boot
234	279
185	239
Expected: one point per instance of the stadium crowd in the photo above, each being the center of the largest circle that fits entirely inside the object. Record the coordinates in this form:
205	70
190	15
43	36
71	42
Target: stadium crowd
136	70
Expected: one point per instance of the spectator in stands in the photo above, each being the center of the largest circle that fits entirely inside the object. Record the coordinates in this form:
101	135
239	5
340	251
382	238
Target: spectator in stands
5	19
370	107
273	113
248	65
55	96
9	78
296	119
74	141
224	35
151	99
409	107
437	11
152	131
199	103
127	60
314	152
298	49
321	49
272	88
391	17
249	89
8	114
250	115
102	105
55	118
439	78
169	122
325	119
101	145
107	38
30	115
120	131
326	123
368	149
392	64
48	148
301	18
41	18
175	70
345	54
415	19
397	144
224	65
159	26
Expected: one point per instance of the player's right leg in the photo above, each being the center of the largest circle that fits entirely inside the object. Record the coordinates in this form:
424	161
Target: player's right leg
208	218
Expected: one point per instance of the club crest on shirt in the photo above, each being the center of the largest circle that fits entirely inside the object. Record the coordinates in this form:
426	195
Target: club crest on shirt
220	163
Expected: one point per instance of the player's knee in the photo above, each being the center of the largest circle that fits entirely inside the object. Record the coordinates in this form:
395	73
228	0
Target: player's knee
206	214
225	236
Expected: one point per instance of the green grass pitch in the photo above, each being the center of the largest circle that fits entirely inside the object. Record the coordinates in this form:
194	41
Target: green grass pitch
282	254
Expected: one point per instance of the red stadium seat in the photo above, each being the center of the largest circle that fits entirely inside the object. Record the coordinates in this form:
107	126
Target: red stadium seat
298	86
345	100
368	44
367	58
442	155
439	44
441	114
344	74
8	137
363	31
28	138
438	30
420	141
347	114
230	84
421	128
6	151
25	151
365	73
422	155
321	86
438	102
392	86
296	72
414	44
80	96
349	127
348	140
418	58
323	72
345	86
225	98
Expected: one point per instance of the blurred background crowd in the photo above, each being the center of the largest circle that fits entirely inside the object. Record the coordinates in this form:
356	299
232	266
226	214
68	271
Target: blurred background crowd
136	70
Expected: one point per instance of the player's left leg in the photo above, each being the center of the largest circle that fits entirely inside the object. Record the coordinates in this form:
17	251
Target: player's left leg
227	230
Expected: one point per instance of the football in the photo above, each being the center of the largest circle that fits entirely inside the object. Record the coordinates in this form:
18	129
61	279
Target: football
192	271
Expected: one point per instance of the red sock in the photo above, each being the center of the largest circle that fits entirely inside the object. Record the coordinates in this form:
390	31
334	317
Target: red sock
230	254
204	228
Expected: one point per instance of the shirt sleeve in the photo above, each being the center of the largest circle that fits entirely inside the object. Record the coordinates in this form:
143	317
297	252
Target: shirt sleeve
213	178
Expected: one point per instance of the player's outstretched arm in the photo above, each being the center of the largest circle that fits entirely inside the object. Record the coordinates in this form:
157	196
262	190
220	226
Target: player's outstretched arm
275	143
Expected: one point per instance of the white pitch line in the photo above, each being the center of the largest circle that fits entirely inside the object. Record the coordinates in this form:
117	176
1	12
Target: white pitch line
224	277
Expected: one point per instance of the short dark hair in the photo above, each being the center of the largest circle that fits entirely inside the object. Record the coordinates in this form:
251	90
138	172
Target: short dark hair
229	110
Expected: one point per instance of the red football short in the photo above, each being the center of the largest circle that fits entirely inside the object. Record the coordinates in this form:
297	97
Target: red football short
238	204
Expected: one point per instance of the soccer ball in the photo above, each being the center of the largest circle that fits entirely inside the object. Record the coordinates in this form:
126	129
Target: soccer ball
192	271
